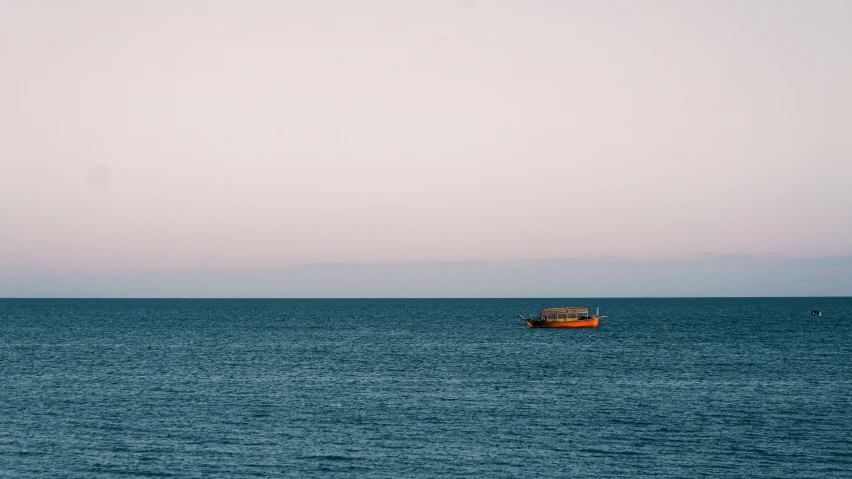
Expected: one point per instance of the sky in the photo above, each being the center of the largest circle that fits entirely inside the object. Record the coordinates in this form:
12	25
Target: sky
455	148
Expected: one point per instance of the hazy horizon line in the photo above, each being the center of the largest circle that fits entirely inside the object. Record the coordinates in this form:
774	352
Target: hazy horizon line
392	298
717	276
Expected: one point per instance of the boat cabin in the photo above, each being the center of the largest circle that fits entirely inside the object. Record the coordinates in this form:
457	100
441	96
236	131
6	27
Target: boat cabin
564	314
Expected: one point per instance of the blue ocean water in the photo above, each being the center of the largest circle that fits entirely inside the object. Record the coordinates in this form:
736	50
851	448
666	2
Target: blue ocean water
424	388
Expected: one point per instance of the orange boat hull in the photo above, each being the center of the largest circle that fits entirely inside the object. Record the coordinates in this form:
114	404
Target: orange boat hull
580	323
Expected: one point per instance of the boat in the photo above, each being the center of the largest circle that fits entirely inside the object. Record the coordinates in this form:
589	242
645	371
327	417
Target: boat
816	312
570	317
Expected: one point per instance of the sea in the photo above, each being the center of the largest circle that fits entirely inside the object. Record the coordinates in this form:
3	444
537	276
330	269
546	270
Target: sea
424	388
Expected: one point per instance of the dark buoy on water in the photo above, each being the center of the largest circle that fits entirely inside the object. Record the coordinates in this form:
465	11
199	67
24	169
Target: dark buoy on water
816	312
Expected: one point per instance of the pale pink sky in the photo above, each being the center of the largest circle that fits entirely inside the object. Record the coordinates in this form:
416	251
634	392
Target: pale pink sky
261	134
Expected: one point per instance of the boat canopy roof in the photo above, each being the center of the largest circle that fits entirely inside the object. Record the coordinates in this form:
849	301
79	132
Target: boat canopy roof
568	310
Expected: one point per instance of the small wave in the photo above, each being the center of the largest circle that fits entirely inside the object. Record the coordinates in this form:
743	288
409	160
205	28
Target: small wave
330	457
602	452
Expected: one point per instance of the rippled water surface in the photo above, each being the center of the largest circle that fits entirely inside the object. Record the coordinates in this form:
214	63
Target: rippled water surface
424	388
